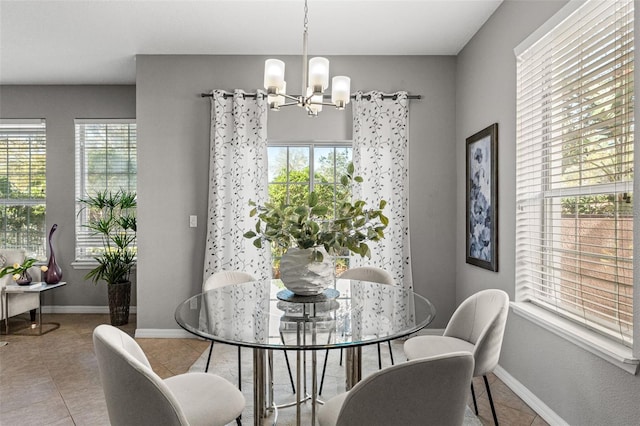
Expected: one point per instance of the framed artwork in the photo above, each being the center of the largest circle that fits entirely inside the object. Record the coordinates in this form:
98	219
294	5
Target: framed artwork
482	198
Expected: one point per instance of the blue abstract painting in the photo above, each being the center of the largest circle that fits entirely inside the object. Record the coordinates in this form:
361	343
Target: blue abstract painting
480	220
481	201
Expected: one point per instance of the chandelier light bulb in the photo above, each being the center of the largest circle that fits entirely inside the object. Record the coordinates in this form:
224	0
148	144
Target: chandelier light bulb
318	74
314	105
275	101
340	91
273	75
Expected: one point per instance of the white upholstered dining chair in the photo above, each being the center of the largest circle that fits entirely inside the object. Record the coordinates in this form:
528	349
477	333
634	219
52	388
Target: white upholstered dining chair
225	278
426	391
137	396
476	326
221	279
363	273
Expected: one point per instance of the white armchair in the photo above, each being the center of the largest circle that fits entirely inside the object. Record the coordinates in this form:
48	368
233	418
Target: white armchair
18	303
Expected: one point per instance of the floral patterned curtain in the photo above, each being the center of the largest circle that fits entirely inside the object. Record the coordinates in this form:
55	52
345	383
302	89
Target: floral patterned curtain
380	156
237	173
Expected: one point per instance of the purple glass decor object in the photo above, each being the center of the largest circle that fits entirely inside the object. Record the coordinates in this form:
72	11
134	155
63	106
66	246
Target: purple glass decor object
24	278
53	275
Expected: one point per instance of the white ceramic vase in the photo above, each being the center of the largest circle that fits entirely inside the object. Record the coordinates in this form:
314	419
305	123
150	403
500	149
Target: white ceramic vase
303	276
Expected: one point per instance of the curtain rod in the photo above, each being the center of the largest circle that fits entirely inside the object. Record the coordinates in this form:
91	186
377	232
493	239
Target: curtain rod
367	97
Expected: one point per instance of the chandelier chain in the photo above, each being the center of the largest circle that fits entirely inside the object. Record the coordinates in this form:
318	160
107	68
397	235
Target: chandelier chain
306	16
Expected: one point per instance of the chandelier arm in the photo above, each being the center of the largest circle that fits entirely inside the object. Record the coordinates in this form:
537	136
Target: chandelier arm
292	97
290	104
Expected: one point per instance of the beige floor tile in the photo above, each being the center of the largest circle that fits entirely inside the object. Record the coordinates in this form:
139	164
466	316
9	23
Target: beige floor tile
39	413
26	373
22	395
67	421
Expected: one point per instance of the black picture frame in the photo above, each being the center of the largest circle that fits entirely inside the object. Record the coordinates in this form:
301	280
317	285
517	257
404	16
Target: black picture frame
482	198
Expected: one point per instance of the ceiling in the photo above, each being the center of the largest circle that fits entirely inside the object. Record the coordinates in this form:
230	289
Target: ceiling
95	41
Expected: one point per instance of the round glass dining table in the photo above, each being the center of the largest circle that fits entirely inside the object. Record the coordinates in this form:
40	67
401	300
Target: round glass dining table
264	316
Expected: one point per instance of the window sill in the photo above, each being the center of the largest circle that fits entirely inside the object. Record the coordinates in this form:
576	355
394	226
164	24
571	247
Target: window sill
82	264
612	352
87	265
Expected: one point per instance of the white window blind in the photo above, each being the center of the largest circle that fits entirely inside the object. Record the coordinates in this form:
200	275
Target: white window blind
105	160
23	185
574	219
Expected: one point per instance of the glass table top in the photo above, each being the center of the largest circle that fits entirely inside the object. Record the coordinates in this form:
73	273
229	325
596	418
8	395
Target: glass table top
260	314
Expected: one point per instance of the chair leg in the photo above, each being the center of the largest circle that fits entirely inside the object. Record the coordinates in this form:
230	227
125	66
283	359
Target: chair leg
206	369
340	357
493	409
473	395
240	368
390	352
324	369
286	358
238	421
379	357
293	386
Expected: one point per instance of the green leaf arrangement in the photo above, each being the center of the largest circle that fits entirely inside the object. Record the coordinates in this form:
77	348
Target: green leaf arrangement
112	217
16	269
311	225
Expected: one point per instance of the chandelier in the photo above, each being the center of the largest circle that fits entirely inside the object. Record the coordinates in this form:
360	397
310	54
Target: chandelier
315	80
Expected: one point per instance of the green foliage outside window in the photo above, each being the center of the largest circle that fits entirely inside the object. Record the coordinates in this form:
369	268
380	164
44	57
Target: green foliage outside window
290	183
22	197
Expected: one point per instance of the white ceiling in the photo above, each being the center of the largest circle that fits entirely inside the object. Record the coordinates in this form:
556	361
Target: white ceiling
95	41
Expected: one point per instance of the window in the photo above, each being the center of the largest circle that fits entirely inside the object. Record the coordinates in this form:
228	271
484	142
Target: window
105	160
574	219
295	169
23	185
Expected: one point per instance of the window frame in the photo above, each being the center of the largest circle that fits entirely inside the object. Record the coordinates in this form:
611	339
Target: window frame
81	238
39	128
597	343
311	145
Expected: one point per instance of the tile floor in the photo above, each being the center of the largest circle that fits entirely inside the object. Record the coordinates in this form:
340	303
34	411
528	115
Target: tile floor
53	379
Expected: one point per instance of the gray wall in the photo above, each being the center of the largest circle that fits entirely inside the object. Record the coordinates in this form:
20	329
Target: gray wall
581	388
173	151
60	105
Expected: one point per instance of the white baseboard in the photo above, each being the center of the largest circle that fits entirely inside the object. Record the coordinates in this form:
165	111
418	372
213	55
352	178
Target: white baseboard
66	309
529	398
160	333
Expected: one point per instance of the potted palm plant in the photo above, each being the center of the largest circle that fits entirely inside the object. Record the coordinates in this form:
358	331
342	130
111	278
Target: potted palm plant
310	233
112	217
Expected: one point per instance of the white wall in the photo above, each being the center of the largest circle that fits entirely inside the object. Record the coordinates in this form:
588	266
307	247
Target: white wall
59	106
581	388
173	151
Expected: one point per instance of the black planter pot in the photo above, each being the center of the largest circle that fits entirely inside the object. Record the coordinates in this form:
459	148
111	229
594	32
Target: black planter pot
119	301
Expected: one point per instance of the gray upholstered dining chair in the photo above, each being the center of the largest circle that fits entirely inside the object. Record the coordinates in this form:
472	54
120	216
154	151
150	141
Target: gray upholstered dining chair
476	326
224	278
426	391
136	396
363	273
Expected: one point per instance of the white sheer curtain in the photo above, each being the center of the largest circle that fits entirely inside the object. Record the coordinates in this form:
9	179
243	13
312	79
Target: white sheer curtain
237	174
380	156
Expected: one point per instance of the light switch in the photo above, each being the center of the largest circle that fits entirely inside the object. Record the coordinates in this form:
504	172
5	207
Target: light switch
193	221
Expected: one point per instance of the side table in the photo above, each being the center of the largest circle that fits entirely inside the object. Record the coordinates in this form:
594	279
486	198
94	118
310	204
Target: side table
39	287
